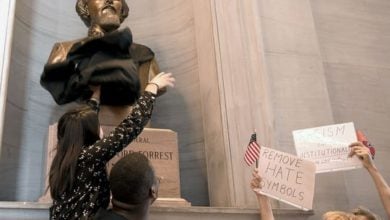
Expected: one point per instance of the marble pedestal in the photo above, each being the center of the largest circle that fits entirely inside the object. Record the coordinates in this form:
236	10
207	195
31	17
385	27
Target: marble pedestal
161	148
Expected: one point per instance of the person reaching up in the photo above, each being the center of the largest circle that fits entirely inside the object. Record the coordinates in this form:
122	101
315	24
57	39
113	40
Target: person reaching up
264	203
363	153
78	179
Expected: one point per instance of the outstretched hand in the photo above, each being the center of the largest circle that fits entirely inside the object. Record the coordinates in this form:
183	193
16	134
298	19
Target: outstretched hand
161	81
362	152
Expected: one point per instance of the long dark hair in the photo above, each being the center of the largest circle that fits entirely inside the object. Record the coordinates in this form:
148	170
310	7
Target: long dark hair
76	128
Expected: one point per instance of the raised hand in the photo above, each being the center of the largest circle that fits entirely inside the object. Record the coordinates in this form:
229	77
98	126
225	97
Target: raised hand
263	201
362	152
160	82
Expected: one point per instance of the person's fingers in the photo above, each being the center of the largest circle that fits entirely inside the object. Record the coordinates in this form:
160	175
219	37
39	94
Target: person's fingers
352	151
358	149
253	184
362	150
170	84
164	79
256	178
256	181
167	74
171	81
363	154
359	154
356	144
256	175
355	148
169	78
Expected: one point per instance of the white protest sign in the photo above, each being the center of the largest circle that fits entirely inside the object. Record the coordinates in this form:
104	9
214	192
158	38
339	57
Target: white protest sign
287	178
327	146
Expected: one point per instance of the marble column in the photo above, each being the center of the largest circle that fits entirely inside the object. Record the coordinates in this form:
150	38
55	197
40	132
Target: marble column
7	12
257	62
234	93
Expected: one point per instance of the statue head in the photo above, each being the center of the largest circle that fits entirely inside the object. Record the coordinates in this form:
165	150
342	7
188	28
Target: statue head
102	15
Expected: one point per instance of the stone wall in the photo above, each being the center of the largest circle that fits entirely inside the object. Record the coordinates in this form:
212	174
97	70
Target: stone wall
269	65
165	26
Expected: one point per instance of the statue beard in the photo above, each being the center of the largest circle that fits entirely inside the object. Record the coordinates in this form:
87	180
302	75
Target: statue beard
109	22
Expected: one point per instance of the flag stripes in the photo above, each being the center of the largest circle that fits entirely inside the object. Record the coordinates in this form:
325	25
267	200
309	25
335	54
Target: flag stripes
253	151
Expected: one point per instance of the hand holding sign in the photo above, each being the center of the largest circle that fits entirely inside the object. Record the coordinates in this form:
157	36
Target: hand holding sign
362	138
287	178
256	182
363	153
264	202
327	146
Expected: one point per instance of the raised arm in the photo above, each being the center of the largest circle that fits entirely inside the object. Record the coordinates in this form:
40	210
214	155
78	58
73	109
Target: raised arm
364	155
106	148
263	201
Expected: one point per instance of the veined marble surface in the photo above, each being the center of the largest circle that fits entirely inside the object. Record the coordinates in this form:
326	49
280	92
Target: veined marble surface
354	39
276	64
7	15
165	26
38	211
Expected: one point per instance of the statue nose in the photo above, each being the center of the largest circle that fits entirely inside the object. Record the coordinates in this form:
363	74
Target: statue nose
109	1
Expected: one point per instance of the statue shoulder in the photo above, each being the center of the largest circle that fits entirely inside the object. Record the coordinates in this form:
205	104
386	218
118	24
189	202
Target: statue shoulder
141	53
60	51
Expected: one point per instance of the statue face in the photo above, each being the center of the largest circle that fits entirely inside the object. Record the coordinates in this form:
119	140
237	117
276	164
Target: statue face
105	13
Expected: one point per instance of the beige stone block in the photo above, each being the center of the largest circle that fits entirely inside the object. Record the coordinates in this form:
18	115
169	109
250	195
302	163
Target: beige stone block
353	32
284	37
299	94
367	96
160	147
297	80
167	27
297	12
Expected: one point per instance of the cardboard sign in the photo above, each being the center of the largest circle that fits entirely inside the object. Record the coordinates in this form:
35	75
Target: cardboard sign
287	178
327	146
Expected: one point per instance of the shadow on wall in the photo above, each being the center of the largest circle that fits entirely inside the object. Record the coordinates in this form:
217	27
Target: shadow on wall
29	108
12	149
192	162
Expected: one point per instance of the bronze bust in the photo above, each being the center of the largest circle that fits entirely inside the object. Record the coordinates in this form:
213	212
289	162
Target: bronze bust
108	57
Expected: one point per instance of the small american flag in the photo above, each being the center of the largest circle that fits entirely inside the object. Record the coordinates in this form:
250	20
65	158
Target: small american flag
253	151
